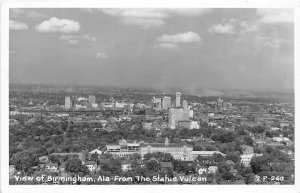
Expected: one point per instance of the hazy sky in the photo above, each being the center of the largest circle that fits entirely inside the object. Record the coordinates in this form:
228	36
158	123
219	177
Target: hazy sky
250	49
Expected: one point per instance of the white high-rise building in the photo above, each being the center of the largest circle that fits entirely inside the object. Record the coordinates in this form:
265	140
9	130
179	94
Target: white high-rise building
92	99
191	112
178	96
176	115
219	104
185	105
166	104
68	103
157	103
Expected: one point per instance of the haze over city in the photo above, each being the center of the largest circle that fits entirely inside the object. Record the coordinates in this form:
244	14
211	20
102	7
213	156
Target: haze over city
243	49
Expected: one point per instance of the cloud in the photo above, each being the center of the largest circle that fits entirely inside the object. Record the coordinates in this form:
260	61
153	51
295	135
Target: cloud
189	12
101	55
66	37
166	46
16	25
275	16
144	22
90	38
187	37
147	18
58	25
247	26
227	27
74	39
70	39
272	41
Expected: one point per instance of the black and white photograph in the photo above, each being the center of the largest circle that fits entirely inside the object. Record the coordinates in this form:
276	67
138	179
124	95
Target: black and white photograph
191	97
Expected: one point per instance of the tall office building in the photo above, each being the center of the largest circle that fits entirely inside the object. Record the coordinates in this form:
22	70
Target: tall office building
176	115
68	103
185	105
166	104
178	96
219	104
92	99
156	103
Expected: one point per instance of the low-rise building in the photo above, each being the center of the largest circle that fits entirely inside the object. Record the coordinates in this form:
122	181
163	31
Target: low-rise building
96	151
123	149
178	151
212	169
52	167
91	165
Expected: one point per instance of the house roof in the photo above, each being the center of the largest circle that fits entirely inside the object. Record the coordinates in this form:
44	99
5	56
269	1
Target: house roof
90	163
96	150
113	146
133	144
206	152
163	145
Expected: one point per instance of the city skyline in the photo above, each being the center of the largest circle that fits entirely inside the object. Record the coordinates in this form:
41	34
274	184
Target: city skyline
242	49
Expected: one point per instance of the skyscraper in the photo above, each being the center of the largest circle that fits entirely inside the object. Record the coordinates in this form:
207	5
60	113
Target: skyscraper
178	96
166	104
68	103
185	105
219	104
157	103
92	99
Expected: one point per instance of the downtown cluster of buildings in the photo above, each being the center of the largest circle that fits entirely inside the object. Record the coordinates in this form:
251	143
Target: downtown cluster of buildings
180	113
89	103
156	115
81	103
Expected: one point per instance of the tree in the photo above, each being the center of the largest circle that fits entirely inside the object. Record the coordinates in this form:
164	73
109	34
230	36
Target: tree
249	178
54	158
75	166
152	165
242	132
217	157
235	157
249	141
23	160
94	157
224	137
257	129
160	156
113	166
259	164
224	173
135	156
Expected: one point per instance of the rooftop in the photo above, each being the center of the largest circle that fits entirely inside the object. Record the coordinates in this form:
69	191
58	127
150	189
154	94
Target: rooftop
163	145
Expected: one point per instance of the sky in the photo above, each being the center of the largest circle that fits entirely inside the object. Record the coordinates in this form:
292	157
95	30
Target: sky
240	49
